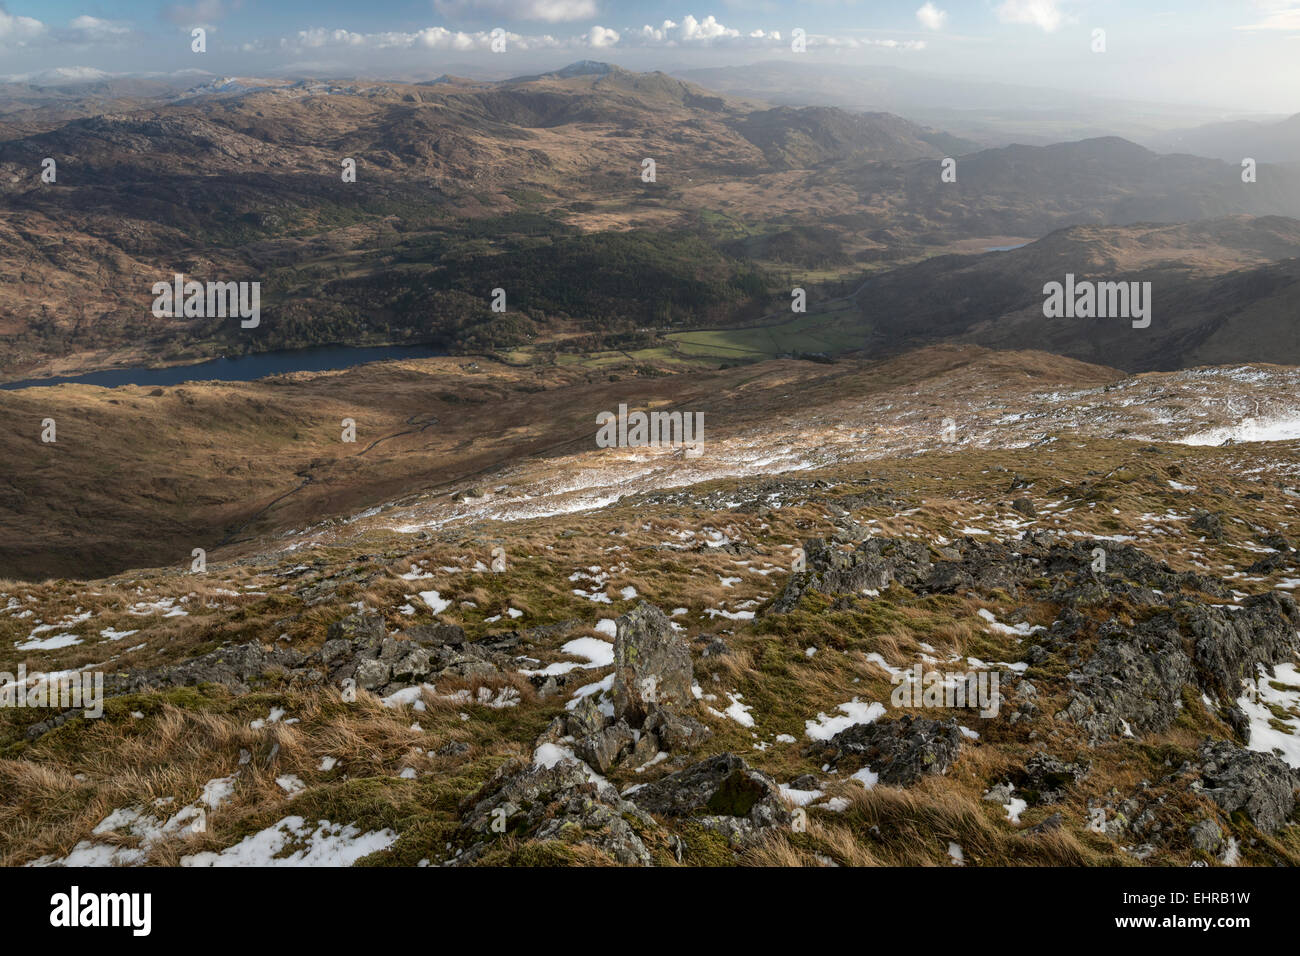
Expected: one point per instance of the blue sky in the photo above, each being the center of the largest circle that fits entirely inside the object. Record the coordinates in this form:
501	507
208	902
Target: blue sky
1231	55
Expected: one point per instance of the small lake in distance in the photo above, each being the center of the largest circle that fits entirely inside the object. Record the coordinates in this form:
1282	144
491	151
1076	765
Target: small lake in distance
241	368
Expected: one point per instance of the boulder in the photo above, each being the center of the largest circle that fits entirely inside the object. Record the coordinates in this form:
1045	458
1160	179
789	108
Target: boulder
363	628
605	747
900	752
554	803
1260	784
1048	779
722	792
652	664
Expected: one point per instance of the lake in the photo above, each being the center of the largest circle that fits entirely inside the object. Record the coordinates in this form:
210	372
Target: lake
243	368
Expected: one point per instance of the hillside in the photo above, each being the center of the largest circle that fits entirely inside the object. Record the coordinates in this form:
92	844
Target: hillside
1222	291
1266	142
532	185
409	673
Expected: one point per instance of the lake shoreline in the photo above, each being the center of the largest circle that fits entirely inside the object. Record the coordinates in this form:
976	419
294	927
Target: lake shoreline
240	368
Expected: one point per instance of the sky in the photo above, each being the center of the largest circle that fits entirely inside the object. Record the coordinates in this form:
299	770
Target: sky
1233	55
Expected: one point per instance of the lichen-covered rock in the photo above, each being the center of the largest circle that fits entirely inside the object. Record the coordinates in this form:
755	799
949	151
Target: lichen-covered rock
1229	646
553	803
1260	784
900	752
723	793
363	628
436	635
585	717
372	673
1209	524
988	565
675	732
1048	779
605	747
831	570
1206	836
1134	680
652	664
239	667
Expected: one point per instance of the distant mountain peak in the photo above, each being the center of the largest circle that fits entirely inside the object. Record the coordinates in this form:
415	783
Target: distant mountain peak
587	68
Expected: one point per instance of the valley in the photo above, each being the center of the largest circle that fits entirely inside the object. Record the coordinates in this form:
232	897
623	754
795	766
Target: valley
784	465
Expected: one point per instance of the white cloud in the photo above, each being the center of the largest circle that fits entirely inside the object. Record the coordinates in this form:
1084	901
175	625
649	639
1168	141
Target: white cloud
931	17
548	11
1284	16
93	28
707	29
18	30
600	37
862	43
692	33
1045	14
430	38
708	32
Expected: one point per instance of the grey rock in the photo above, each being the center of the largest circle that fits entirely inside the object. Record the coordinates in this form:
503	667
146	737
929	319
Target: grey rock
1206	836
414	663
722	792
364	628
676	732
335	650
1260	784
555	803
604	748
436	635
1002	793
1210	525
1025	507
652	664
1048	779
372	673
1054	822
900	751
585	718
644	750
713	646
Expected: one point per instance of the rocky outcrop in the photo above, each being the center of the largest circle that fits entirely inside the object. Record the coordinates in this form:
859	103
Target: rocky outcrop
722	793
1047	779
553	803
356	647
1257	783
900	752
240	667
1133	682
651	692
1073	571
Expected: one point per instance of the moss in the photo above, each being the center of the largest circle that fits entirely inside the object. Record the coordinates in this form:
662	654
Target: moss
736	796
772	660
426	840
531	854
371	803
704	847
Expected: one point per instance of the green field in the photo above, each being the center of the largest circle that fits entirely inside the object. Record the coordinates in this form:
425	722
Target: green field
828	332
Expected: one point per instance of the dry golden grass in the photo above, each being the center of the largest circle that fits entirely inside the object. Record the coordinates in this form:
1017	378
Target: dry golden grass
183	741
